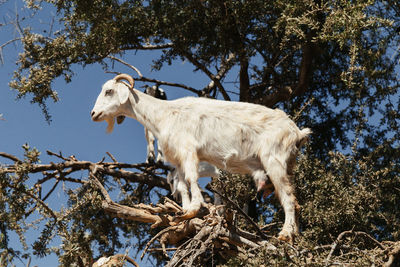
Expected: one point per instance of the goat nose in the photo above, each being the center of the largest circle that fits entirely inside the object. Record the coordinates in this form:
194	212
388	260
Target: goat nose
92	113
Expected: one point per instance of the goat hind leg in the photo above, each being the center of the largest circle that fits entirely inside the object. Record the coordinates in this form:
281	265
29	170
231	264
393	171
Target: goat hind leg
285	192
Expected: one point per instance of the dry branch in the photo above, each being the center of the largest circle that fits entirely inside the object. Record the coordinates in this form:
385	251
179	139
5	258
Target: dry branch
203	68
394	255
189	242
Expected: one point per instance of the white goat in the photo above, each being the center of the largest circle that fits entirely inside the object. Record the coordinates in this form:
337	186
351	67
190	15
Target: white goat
159	93
239	137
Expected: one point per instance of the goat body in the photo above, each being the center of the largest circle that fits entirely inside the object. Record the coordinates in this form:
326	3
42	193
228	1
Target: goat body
238	137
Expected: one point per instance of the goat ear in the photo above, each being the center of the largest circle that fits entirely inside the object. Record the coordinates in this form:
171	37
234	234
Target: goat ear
120	119
123	93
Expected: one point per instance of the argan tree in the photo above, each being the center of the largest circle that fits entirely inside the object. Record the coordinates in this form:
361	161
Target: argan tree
332	66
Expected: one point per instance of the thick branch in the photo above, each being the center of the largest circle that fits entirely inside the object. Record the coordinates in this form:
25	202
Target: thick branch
304	78
394	256
244	80
305	71
125	212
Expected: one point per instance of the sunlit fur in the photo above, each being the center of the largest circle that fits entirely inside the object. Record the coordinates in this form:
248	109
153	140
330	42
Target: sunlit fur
238	137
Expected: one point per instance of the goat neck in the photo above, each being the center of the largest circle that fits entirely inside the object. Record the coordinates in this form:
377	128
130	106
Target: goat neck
147	110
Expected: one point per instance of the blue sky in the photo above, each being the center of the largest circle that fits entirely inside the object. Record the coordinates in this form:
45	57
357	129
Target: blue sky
71	131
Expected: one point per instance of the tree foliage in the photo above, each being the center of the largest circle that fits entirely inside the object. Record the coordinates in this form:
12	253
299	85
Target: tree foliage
332	65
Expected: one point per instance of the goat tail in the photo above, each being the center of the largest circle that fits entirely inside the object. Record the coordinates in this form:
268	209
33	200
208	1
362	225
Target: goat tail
303	137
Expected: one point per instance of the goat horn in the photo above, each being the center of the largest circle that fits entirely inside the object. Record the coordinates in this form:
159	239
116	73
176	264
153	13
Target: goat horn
125	77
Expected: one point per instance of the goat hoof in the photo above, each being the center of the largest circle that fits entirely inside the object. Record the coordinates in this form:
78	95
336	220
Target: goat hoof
286	237
150	160
187	215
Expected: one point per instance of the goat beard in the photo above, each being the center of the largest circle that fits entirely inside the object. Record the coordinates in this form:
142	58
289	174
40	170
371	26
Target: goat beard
110	124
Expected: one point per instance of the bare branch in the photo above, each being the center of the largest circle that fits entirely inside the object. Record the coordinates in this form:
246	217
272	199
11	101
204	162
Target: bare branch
4	45
8	156
70	165
281	94
150	47
127	64
305	74
112	157
208	73
225	66
145	79
191	89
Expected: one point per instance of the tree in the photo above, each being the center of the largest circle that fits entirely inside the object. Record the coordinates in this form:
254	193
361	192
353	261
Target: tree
331	65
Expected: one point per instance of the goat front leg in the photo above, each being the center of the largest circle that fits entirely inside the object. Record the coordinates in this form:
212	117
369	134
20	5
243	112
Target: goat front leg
191	177
160	157
150	146
183	190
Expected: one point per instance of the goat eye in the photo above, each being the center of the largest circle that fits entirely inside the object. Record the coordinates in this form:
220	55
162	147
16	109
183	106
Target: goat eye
109	92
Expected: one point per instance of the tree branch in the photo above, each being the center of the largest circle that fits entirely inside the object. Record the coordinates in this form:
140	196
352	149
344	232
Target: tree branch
304	77
244	80
4	45
145	79
225	66
150	47
340	237
255	226
70	165
8	156
305	71
200	66
129	213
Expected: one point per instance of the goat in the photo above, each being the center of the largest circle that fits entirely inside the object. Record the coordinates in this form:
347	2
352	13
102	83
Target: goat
238	137
159	93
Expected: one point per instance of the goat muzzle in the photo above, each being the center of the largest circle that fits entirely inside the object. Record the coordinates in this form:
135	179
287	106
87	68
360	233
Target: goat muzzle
95	116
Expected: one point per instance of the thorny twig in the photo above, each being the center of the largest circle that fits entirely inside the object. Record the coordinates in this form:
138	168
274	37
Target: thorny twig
255	226
342	235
